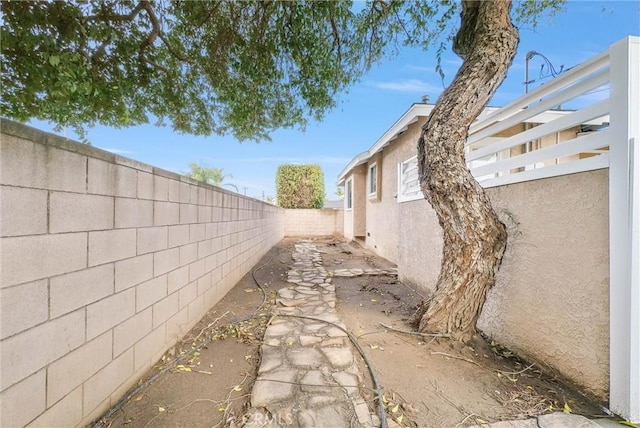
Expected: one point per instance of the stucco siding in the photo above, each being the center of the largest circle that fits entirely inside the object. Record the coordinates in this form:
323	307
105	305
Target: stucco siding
551	300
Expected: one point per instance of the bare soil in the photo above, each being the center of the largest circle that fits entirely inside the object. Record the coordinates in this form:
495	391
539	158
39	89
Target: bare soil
427	381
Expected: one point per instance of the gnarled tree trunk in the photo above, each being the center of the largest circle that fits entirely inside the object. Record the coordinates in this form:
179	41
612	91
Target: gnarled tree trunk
474	237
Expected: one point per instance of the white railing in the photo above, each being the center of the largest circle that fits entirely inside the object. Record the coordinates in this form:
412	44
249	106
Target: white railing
533	137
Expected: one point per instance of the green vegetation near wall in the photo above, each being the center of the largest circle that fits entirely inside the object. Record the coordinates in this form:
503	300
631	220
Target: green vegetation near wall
300	186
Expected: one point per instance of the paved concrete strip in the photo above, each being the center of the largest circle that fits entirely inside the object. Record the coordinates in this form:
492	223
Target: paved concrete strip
552	420
308	376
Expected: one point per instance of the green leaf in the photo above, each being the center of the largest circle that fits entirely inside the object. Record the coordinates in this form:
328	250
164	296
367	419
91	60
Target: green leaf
54	60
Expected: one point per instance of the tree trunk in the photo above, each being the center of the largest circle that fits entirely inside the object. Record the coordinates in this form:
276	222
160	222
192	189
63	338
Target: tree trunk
474	237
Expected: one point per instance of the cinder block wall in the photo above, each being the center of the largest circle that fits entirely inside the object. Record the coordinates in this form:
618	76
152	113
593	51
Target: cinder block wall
314	222
105	263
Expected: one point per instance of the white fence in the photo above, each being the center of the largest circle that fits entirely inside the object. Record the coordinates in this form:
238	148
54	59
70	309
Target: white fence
600	125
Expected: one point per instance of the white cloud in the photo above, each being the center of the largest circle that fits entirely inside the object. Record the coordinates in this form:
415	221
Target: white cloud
408	85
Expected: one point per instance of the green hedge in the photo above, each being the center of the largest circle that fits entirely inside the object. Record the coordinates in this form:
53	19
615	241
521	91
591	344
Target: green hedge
300	186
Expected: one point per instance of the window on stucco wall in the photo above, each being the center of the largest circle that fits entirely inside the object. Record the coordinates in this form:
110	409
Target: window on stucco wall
408	182
349	193
373	180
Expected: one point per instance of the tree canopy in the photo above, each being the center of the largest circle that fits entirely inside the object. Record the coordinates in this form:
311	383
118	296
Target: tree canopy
245	68
207	174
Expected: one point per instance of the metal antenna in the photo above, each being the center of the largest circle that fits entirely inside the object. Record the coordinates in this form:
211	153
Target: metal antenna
551	73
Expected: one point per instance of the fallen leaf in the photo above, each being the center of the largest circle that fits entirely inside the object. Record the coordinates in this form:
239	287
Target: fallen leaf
161	409
374	300
237	388
395	408
566	409
399	419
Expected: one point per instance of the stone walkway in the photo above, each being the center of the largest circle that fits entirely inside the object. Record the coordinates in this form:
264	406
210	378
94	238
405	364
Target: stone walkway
308	376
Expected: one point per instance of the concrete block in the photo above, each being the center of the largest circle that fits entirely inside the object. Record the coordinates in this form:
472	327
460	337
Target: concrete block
150	292
165	309
216	214
177	279
29	351
74	290
23	211
161	188
105	178
28	164
21	403
174	191
185	193
177	325
100	386
75	212
133	213
202	196
211	230
65	413
193	194
125	335
152	239
111	245
197	232
188	294
166	213
178	235
109	312
188	254
188	213
205	248
150	345
212	296
23	306
133	271
196	270
196	309
70	371
210	262
29	258
204	283
145	188
165	261
204	214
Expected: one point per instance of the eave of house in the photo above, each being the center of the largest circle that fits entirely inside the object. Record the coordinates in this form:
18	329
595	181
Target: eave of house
412	115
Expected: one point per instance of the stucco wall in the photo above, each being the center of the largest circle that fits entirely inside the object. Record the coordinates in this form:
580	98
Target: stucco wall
551	299
105	262
384	214
313	222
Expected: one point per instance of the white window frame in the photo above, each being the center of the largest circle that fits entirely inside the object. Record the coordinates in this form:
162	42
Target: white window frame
372	180
348	194
408	181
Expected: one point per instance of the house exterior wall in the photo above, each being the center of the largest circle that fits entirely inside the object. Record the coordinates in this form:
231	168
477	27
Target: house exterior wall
313	222
550	303
551	299
384	214
106	262
355	218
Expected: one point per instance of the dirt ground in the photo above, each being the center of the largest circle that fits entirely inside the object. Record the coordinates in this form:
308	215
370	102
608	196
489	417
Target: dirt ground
205	380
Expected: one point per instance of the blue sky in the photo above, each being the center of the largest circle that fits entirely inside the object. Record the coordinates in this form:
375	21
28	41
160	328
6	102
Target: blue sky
369	108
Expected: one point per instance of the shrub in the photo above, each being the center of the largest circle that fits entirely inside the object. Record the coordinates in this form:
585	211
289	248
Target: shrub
300	186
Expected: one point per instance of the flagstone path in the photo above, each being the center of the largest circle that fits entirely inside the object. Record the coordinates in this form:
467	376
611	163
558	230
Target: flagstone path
308	375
